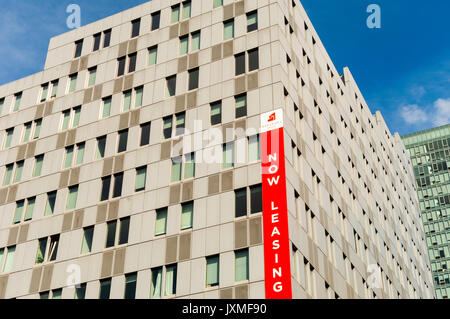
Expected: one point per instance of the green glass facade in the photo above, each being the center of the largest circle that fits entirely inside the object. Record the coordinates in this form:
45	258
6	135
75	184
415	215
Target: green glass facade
430	155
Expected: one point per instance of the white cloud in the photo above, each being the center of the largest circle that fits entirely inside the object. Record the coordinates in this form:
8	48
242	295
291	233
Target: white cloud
413	114
442	112
438	114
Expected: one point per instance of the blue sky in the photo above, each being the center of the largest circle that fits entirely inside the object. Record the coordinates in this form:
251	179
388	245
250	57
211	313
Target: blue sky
402	69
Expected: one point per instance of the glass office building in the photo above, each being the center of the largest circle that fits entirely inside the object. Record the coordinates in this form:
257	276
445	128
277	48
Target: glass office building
430	156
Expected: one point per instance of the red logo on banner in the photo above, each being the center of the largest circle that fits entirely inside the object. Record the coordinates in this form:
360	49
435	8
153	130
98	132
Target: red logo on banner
276	231
272	117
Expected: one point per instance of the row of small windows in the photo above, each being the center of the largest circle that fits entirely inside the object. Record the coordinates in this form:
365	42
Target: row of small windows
163	279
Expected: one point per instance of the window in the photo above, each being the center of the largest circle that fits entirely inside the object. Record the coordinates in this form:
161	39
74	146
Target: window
130	286
19	211
73	82
180	123
171	85
136	26
26	132
54	88
193	79
256	198
72	198
253	60
57	293
121	66
9	259
80	292
44	90
254	149
175	13
127	95
152	55
8	174
30	202
107	38
187	215
241	105
139	93
118	180
123	140
212	271
9	135
47	249
176	169
184	44
228	29
241	265
105	288
186	9
171	280
70	116
92	76
17	100
240	202
2	102
124	230
70	150
195	41
141	176
38	162
217	3
216	113
19	170
106	184
132	62
78	48
155	20
155	289
97	39
145	133
167	128
161	221
44	295
37	128
111	233
252	21
88	235
240	63
106	107
228	155
101	144
50	206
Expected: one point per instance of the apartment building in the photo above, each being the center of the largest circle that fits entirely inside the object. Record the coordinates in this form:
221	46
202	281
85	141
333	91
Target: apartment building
430	156
98	199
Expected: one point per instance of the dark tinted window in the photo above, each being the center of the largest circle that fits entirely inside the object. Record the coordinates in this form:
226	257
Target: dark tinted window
253	60
136	25
123	139
171	85
240	63
124	230
145	134
101	144
97	38
167	130
118	180
241	202
252	21
78	48
155	20
111	233
216	113
105	288
107	40
193	79
130	286
121	66
256	198
106	183
132	66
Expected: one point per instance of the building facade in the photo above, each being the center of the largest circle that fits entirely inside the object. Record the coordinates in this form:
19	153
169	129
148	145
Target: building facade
430	157
94	193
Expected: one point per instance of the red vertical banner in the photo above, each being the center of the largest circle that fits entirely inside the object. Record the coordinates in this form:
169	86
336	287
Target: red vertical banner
275	215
